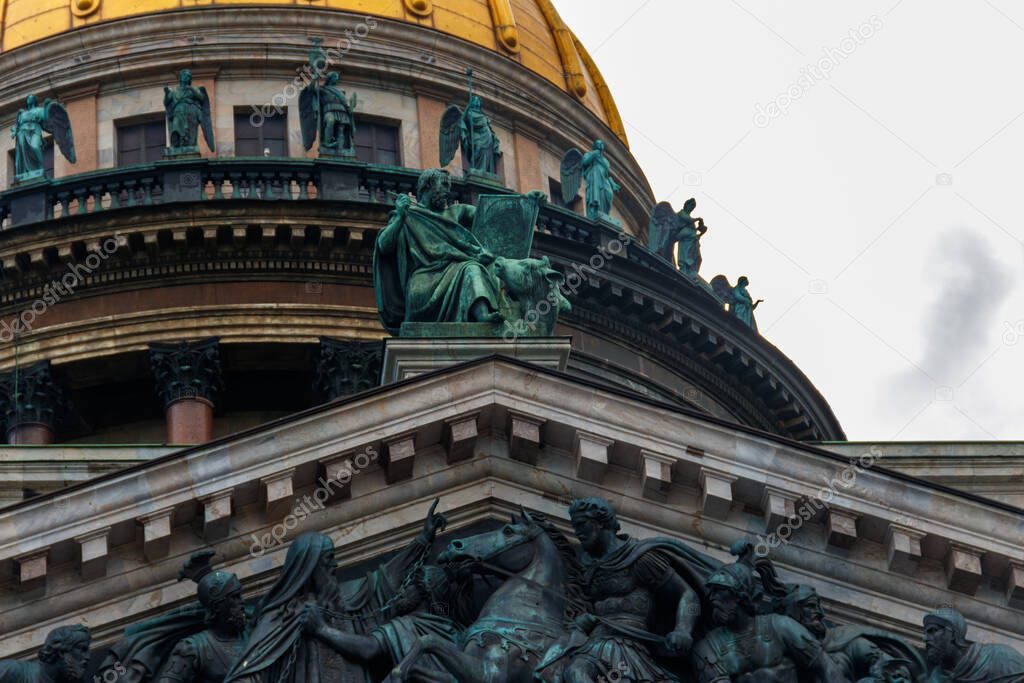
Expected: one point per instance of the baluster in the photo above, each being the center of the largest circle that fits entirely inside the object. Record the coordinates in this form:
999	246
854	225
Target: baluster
115	194
130	189
80	194
64	197
218	182
147	191
303	181
97	198
236	184
268	184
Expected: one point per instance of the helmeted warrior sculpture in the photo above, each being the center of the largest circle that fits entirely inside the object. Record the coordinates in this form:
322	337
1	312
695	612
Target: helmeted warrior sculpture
668	229
953	660
431	265
471	130
197	643
861	652
745	645
741	304
326	110
188	109
281	651
646	597
32	121
594	168
64	658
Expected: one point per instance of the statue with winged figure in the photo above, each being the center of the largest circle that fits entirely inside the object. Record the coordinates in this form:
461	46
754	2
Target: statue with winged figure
35	119
668	229
188	109
325	110
594	168
741	304
471	130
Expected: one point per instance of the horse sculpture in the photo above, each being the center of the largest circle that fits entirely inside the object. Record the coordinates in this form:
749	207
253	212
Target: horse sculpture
522	618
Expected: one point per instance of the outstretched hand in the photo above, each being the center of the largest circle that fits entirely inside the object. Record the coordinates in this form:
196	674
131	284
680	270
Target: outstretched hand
679	642
435	521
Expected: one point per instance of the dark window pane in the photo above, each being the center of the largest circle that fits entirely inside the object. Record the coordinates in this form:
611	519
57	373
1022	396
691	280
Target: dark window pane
252	141
377	143
140	143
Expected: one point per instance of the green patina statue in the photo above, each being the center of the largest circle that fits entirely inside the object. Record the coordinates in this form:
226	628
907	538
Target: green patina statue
64	658
953	660
594	168
188	109
746	645
741	304
668	228
463	265
326	110
35	119
472	131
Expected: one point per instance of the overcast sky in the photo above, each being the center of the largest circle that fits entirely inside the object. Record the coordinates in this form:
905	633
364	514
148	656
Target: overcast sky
876	206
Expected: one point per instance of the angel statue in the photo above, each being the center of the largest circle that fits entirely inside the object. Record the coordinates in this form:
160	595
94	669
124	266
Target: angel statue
32	121
325	110
740	302
188	110
595	169
668	228
473	132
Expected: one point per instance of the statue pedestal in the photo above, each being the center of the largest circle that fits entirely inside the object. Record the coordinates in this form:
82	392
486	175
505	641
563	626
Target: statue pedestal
182	153
483	177
406	357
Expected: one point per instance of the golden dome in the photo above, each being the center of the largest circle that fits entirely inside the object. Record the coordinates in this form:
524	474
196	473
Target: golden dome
527	31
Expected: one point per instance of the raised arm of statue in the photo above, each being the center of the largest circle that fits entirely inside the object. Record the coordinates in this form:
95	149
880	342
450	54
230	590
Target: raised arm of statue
357	648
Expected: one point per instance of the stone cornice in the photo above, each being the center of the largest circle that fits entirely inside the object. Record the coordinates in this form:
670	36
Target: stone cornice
747	460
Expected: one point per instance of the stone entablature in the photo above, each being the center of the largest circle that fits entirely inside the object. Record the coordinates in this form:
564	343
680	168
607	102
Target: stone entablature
534	438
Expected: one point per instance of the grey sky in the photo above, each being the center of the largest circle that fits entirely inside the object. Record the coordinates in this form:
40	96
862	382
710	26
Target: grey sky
879	216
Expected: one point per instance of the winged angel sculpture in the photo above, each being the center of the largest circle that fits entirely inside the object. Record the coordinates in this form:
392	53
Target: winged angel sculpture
188	110
668	228
471	130
35	119
595	169
325	110
741	304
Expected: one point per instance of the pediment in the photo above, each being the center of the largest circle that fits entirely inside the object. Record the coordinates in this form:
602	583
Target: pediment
486	437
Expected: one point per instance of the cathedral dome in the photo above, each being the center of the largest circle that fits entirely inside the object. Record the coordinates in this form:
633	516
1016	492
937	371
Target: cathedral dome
529	32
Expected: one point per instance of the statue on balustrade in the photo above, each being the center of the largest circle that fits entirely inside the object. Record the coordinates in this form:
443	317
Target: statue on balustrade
747	644
29	146
188	109
280	649
594	168
471	130
953	660
465	266
64	658
197	643
646	600
741	304
668	228
326	110
862	653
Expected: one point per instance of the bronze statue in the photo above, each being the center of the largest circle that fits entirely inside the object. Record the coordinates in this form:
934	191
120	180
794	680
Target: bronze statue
520	620
741	304
188	109
63	658
596	170
280	650
197	643
326	110
646	602
668	229
747	646
863	653
953	660
32	122
441	263
471	130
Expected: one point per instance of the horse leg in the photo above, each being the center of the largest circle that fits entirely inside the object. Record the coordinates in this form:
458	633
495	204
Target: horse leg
464	667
